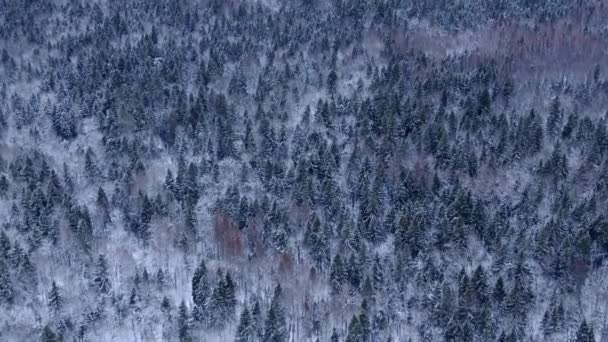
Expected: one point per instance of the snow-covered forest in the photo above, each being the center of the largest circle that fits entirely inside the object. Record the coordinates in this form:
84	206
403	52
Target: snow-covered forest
304	170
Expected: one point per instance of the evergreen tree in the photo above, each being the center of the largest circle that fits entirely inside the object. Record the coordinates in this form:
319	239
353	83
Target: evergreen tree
55	301
275	329
499	294
369	216
48	335
200	287
183	324
334	336
257	324
6	285
585	333
554	121
354	330
104	205
101	282
317	241
480	286
90	167
147	211
229	294
337	275
244	332
165	306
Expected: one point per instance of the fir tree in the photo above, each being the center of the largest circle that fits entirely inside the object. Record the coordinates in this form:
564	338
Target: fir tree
48	335
6	286
165	306
183	323
200	286
275	329
257	324
101	282
55	301
585	333
334	336
244	332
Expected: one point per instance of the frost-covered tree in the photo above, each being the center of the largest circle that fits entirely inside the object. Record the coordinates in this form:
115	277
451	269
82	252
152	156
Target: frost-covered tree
275	328
6	285
101	280
55	300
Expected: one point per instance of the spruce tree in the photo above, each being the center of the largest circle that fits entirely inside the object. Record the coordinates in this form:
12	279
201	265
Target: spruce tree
55	301
101	281
585	333
244	331
183	323
6	286
354	330
200	285
165	306
499	294
48	335
275	329
257	324
334	336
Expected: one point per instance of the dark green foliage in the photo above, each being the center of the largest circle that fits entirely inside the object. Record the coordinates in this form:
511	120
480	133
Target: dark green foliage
55	300
244	331
183	323
275	328
6	285
48	335
585	333
200	285
101	281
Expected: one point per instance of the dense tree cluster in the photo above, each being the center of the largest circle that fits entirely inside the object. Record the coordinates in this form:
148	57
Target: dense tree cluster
303	170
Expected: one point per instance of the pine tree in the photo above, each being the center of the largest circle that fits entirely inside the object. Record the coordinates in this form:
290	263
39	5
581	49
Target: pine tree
84	228
334	336
332	79
4	186
337	275
547	324
200	288
558	317
554	121
499	294
257	323
27	272
160	278
244	332
354	330
48	335
165	306
55	302
275	329
5	246
364	321
369	216
585	333
354	271
104	205
183	323
229	294
134	297
6	286
101	281
90	167
480	286
317	241
444	309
